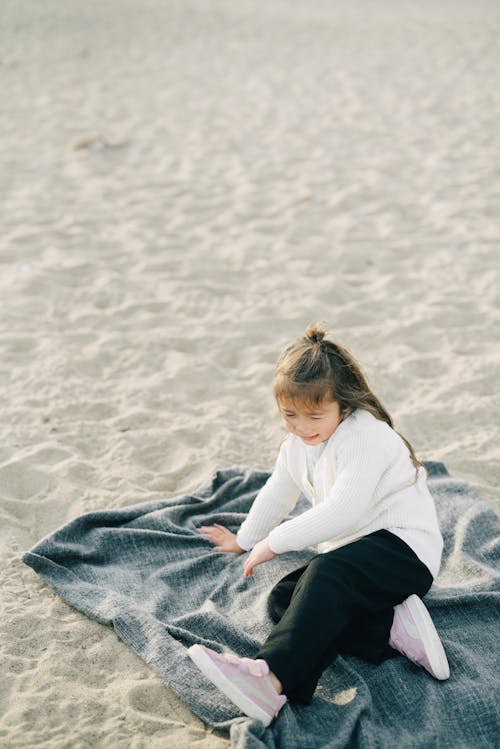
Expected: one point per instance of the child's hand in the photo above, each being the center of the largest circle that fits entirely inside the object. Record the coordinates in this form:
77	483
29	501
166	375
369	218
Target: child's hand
222	537
260	553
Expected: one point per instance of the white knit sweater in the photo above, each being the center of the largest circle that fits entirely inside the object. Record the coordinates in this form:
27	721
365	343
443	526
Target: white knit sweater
363	481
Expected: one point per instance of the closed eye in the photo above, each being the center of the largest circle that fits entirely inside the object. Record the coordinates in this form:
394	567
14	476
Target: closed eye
289	415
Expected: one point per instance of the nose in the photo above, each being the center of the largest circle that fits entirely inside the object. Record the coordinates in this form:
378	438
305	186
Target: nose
301	427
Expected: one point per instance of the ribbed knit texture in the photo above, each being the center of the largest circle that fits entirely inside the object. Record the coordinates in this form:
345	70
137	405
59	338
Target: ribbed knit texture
363	481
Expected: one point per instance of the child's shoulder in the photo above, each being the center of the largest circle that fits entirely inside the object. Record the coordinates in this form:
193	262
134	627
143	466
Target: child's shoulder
361	424
360	418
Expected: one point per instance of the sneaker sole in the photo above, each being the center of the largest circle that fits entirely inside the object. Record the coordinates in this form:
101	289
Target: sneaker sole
207	667
435	651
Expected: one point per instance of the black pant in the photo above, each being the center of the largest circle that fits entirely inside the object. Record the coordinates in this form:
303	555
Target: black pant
339	602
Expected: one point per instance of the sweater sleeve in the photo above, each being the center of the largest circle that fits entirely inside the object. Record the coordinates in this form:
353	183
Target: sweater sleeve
275	500
361	461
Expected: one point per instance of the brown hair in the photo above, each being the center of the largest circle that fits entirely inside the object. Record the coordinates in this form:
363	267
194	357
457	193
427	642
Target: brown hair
313	368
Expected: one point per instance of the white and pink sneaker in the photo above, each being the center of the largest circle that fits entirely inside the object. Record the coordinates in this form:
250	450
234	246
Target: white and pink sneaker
245	681
414	635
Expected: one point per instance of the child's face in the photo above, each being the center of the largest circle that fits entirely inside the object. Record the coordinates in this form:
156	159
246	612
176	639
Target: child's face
313	424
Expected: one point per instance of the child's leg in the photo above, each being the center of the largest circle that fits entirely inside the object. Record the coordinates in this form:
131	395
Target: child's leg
352	583
281	595
365	637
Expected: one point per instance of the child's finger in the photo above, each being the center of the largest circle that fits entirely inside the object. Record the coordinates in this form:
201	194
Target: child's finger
209	537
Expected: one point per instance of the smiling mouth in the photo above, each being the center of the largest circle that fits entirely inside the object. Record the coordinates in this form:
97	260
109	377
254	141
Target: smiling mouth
311	438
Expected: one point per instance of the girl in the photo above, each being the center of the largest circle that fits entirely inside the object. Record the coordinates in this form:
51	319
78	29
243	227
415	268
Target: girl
374	523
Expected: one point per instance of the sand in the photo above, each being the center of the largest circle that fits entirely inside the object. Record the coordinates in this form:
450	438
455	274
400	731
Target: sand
185	185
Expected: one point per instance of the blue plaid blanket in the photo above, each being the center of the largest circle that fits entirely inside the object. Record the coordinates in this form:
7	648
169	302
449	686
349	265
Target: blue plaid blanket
144	571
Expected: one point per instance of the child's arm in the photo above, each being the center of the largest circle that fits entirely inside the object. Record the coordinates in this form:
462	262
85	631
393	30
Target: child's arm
361	461
274	501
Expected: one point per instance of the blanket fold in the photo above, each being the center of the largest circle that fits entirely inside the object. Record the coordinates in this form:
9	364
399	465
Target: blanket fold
145	571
